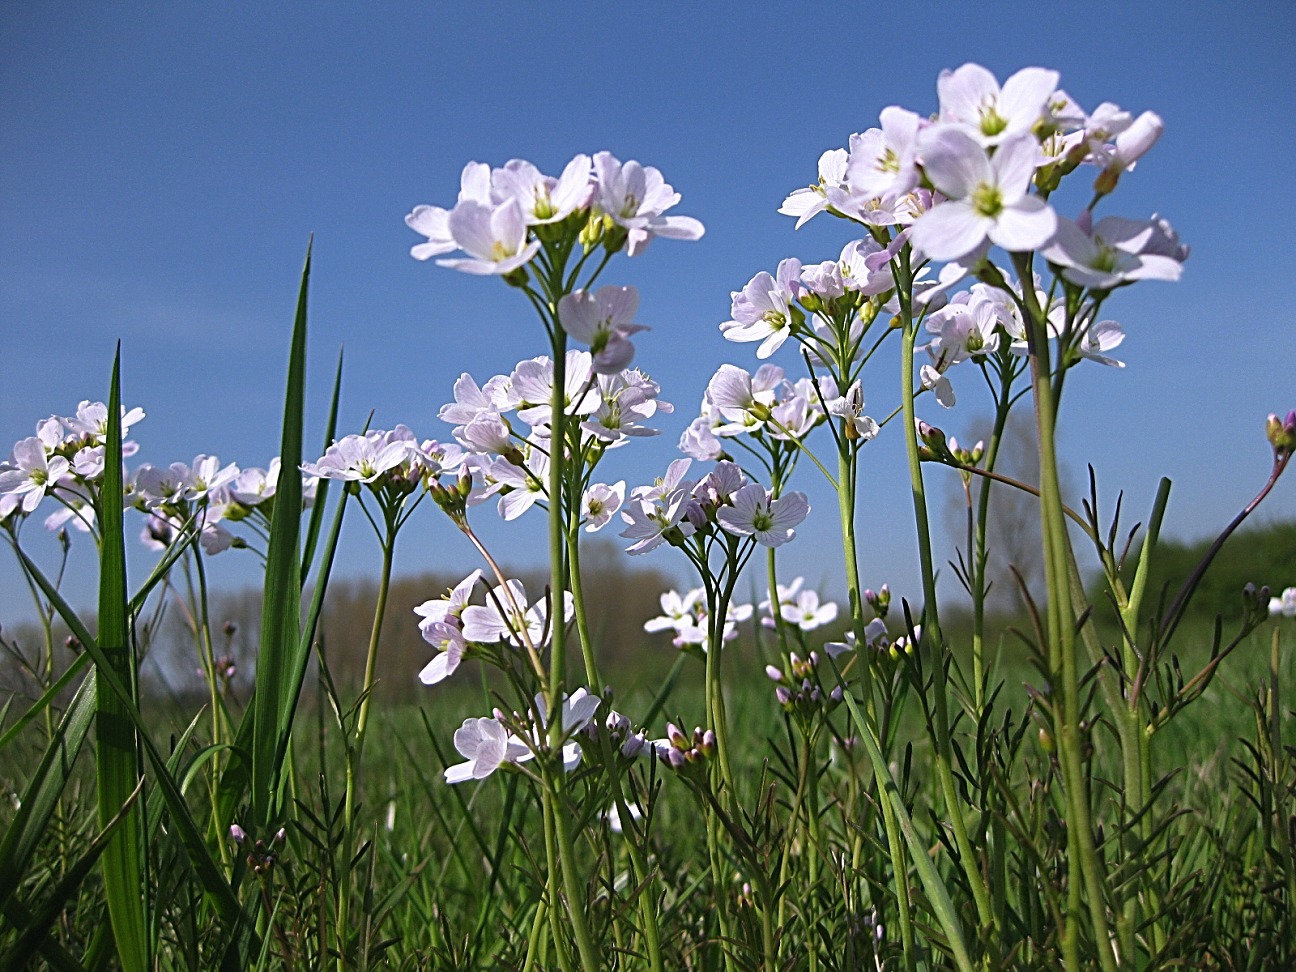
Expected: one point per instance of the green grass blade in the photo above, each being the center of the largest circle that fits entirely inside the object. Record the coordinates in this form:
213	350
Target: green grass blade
117	764
205	866
302	656
61	606
281	605
55	955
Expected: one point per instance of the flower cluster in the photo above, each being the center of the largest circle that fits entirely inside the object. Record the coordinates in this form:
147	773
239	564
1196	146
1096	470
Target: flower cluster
674	509
503	215
978	174
64	460
799	608
799	690
452	625
678	750
608	408
491	742
686	616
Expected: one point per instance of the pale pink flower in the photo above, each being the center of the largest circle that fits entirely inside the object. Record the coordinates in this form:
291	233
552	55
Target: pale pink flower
33	472
635	197
987	198
433	221
600	502
487	745
605	321
544	199
972	99
762	310
755	513
495	238
809	202
883	160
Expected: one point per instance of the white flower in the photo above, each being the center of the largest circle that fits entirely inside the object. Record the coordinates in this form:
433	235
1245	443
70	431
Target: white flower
359	458
883	160
487	744
1285	605
544	199
433	221
635	196
971	98
755	513
987	198
1113	252
33	472
1099	338
762	310
806	203
494	237
503	617
850	408
936	382
604	321
599	502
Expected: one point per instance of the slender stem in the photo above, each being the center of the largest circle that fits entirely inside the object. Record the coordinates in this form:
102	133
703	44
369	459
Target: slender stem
585	947
578	603
931	634
355	750
553	866
846	458
1082	853
981	554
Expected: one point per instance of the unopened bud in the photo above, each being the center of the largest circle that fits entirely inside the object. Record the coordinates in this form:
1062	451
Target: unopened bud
708	743
1282	434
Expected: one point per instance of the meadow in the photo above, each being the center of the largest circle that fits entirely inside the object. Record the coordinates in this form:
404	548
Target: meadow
1105	780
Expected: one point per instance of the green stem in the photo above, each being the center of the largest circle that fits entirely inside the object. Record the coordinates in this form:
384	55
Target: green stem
553	866
589	954
932	636
863	661
355	750
1082	854
578	600
1003	404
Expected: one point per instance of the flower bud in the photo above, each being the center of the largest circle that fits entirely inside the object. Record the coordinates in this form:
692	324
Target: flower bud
774	674
1282	434
708	743
1046	740
237	834
634	745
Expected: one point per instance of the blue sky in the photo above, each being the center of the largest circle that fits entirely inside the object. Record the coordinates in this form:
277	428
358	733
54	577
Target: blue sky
162	166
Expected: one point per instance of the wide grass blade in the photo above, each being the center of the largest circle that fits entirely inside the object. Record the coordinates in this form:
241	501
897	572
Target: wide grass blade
205	866
117	762
281	606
